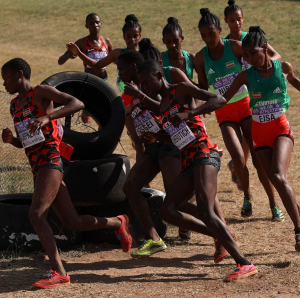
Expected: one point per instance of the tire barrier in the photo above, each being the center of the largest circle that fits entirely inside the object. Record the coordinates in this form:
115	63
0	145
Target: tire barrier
98	182
101	101
16	231
154	199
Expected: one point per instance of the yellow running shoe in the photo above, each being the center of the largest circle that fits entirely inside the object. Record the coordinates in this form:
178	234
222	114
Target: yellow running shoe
148	248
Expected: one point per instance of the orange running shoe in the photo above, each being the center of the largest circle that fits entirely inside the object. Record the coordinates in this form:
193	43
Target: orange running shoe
123	233
52	280
221	252
241	271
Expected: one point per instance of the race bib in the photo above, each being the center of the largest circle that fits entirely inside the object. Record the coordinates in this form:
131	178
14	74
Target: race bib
223	84
245	64
267	113
180	136
97	56
144	122
27	139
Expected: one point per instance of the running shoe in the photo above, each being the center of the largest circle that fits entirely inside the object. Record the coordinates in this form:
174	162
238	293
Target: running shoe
123	233
297	245
184	234
277	214
247	207
221	252
148	248
241	271
233	175
52	280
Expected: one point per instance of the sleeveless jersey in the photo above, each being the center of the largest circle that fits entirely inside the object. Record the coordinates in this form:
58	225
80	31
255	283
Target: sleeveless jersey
221	73
43	146
245	64
268	97
242	36
96	53
190	137
167	71
188	62
143	119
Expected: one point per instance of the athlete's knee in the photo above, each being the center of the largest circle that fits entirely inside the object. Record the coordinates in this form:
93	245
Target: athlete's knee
36	217
278	179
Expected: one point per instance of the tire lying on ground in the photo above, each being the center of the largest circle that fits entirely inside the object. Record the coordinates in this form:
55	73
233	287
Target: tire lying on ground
16	231
98	182
103	102
154	200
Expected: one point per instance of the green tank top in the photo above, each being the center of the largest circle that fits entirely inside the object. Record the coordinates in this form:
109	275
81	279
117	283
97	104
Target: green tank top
268	97
242	37
188	62
167	71
221	73
119	83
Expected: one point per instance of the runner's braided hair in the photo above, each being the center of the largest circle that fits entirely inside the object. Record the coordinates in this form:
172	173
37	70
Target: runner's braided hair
232	7
132	57
152	67
172	26
131	21
148	50
208	18
254	37
17	64
91	15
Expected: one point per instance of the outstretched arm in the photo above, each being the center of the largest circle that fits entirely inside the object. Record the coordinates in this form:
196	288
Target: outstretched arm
288	70
110	58
70	55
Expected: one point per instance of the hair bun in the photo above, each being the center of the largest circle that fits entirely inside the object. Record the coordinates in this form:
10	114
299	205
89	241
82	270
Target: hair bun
231	2
204	12
131	18
145	44
255	29
172	20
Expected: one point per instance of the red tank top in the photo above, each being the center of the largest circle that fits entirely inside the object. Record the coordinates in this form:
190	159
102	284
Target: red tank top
143	119
96	53
191	137
51	148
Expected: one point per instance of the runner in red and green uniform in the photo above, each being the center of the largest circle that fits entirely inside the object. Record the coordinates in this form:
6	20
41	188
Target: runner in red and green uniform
271	132
174	55
234	17
131	35
200	161
94	46
217	65
40	134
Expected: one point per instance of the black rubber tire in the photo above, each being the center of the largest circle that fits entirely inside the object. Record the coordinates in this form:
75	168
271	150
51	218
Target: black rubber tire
17	233
103	102
154	200
98	182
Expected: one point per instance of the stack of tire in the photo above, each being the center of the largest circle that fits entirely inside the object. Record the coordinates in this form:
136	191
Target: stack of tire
96	177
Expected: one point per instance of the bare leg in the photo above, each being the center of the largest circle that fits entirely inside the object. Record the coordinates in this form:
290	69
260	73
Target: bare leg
141	173
49	190
263	178
276	163
245	148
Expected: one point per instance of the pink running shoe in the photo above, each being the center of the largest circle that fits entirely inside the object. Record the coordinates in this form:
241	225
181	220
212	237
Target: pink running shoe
123	233
241	271
52	280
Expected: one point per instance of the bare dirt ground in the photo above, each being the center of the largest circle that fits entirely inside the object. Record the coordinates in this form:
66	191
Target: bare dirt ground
185	268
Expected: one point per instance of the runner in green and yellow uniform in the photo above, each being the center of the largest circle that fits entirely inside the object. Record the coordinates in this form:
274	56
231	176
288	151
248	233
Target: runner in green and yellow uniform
217	66
234	17
174	55
272	135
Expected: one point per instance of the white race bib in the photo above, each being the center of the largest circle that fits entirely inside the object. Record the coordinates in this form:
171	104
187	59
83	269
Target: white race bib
180	136
27	139
267	113
144	122
223	84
